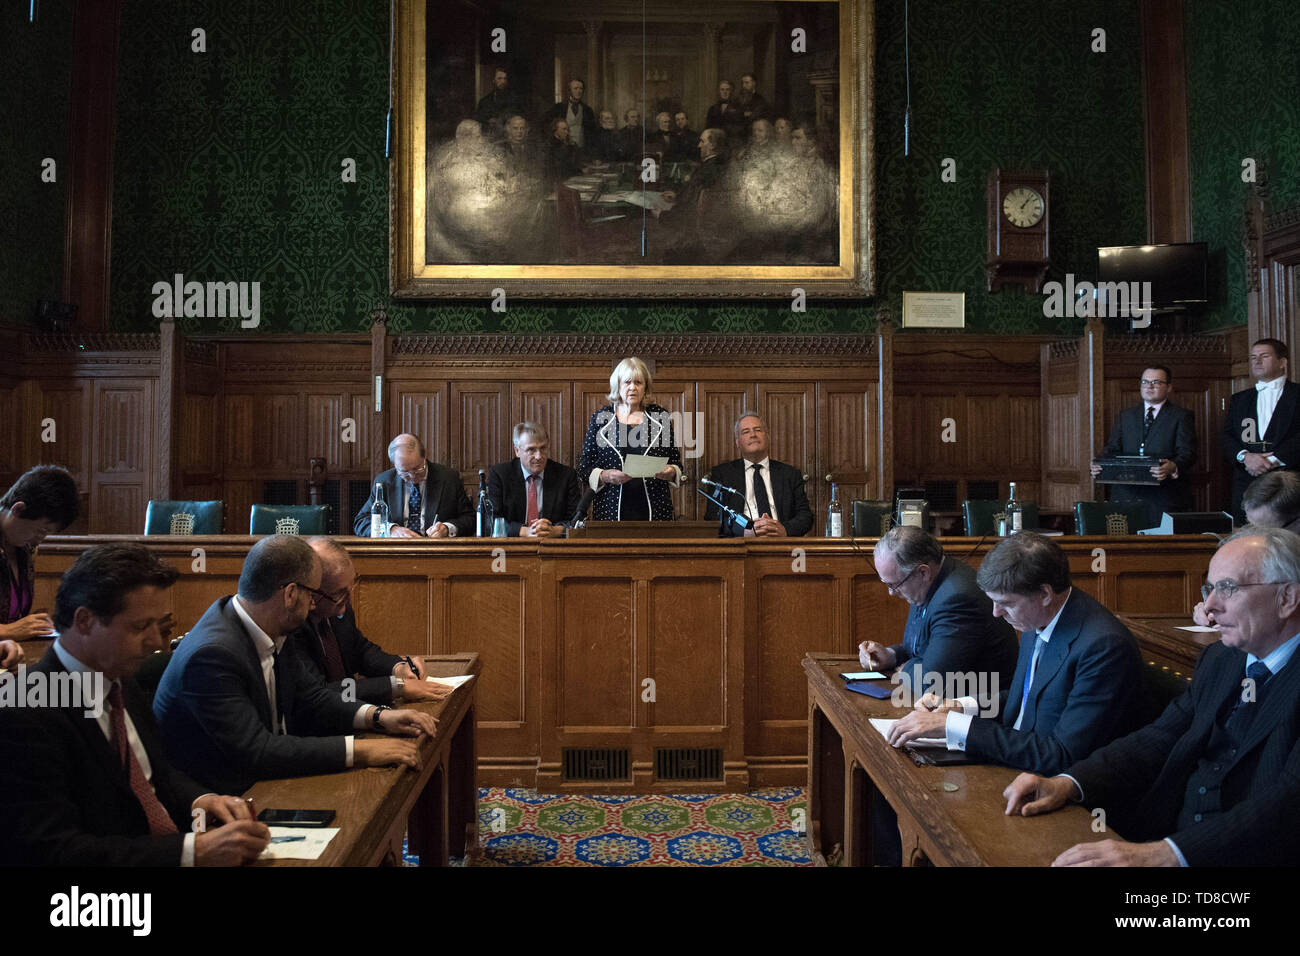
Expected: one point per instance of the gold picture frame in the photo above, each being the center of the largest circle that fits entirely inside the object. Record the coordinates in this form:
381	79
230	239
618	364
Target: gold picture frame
429	259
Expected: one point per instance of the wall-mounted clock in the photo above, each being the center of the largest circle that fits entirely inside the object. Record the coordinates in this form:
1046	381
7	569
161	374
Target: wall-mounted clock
1017	223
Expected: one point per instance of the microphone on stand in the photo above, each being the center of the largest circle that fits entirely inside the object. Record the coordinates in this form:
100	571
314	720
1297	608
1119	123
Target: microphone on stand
719	486
579	519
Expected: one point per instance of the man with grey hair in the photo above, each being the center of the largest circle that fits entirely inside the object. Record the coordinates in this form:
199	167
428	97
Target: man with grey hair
534	493
237	704
950	627
1077	684
1215	780
771	493
424	499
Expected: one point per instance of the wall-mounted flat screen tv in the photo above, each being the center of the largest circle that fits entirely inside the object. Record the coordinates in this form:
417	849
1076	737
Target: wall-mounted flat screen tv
1175	270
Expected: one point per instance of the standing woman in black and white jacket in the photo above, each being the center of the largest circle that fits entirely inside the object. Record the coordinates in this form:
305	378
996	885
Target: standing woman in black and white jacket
630	425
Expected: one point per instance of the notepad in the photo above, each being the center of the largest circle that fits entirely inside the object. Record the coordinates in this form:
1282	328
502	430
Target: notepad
296	843
883	724
451	681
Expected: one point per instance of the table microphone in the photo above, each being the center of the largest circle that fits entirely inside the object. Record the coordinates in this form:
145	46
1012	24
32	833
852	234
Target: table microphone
583	505
720	487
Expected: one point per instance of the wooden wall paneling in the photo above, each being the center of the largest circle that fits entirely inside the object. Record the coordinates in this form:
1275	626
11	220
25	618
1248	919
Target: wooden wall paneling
595	661
479	429
354	457
845	432
684	652
420	409
324	427
1020	444
721	403
789	411
241	450
70	408
679	399
550	404
123	453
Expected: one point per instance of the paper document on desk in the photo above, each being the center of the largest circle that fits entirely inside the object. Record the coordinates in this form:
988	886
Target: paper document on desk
883	724
1197	628
451	681
638	197
643	466
298	843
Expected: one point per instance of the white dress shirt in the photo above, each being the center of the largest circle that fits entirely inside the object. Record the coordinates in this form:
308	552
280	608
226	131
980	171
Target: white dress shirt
957	725
1267	395
267	648
105	721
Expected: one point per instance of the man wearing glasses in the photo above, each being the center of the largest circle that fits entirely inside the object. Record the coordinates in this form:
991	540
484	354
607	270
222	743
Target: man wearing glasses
1215	780
334	647
425	499
1160	429
238	704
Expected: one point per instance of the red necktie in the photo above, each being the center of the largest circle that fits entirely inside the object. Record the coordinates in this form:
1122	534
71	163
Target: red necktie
159	820
334	671
532	499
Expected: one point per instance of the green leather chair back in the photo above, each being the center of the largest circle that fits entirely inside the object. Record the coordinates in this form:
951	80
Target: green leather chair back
871	519
1105	517
979	521
288	519
185	517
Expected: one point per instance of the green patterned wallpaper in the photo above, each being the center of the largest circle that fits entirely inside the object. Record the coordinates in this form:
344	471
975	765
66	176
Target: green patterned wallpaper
227	163
34	97
1243	73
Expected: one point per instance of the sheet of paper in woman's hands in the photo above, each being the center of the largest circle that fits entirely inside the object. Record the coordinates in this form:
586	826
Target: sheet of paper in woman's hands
883	724
297	843
643	466
451	681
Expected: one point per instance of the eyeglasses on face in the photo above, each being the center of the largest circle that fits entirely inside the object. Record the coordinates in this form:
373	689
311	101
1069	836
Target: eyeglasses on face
1153	381
1227	588
893	588
315	593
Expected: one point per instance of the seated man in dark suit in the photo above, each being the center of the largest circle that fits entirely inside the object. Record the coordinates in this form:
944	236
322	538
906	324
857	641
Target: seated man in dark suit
1078	681
334	647
237	703
423	498
535	494
1163	430
777	505
85	782
707	180
631	136
1215	780
950	628
687	140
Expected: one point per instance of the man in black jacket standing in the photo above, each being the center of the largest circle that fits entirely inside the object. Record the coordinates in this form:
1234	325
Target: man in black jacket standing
85	783
333	645
1160	429
777	504
1261	431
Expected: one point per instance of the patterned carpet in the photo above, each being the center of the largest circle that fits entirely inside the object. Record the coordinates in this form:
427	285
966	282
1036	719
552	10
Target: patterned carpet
760	828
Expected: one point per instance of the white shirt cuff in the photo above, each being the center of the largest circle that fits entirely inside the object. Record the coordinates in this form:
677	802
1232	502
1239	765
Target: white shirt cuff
347	751
955	728
676	482
594	479
451	529
1182	860
969	705
1241	456
187	850
1078	789
361	720
1274	460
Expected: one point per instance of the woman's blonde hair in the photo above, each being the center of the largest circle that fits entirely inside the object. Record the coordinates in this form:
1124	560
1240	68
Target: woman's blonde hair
630	368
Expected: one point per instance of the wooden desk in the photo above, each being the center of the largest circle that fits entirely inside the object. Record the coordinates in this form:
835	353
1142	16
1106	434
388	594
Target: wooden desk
849	761
374	806
1164	645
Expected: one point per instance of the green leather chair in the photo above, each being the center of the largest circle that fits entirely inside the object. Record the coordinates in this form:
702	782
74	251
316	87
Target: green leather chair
1093	517
871	519
978	516
205	517
307	519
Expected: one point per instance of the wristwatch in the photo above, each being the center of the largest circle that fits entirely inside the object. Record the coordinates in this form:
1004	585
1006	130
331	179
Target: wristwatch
374	715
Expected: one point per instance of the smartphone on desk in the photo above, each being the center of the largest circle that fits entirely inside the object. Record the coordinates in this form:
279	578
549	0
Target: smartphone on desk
863	675
296	818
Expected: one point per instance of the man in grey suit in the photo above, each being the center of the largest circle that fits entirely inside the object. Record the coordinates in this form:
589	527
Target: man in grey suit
237	704
1215	780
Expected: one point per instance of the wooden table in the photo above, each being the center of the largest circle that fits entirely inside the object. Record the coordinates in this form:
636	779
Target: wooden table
1164	645
375	806
849	760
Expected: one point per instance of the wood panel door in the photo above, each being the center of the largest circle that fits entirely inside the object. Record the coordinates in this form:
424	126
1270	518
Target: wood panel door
789	412
846	446
550	404
479	430
122	453
421	410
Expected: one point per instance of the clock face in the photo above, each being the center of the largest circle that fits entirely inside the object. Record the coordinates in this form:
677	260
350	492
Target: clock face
1023	207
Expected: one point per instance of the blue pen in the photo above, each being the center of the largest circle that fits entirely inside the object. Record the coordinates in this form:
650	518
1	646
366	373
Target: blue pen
287	839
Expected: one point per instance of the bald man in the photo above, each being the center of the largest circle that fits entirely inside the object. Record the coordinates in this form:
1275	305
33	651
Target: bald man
424	499
333	645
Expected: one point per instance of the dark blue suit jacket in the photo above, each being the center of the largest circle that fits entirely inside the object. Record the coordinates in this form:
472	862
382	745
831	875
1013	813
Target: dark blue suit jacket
360	656
955	631
1283	434
215	717
65	798
1172	436
1141	779
1087	691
